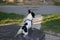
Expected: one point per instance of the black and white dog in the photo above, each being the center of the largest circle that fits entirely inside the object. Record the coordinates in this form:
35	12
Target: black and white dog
27	24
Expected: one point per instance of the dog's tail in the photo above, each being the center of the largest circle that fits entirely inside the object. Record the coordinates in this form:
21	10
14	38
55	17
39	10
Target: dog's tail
16	35
19	32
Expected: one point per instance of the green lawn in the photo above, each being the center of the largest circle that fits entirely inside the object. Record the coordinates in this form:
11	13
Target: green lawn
51	22
57	3
10	17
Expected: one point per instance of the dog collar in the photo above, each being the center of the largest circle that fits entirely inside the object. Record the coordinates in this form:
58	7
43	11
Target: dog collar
29	20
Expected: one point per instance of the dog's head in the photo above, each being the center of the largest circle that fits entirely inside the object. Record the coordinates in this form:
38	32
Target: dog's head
32	13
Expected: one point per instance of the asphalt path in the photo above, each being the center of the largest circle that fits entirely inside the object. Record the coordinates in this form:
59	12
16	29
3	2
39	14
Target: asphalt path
9	32
38	9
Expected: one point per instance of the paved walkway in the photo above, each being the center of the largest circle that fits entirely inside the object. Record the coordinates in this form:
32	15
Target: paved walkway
40	9
9	32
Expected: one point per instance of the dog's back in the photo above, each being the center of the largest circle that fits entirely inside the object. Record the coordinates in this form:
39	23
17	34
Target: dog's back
27	23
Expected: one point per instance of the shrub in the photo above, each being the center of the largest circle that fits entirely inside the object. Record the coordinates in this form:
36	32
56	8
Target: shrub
10	17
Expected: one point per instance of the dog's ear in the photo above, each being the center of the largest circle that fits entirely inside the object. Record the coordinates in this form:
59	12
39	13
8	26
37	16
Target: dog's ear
29	11
33	14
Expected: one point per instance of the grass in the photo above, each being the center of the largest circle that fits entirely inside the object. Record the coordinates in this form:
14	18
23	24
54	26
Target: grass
10	17
57	3
51	22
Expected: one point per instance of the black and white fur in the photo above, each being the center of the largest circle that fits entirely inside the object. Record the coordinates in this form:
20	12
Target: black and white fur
27	24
